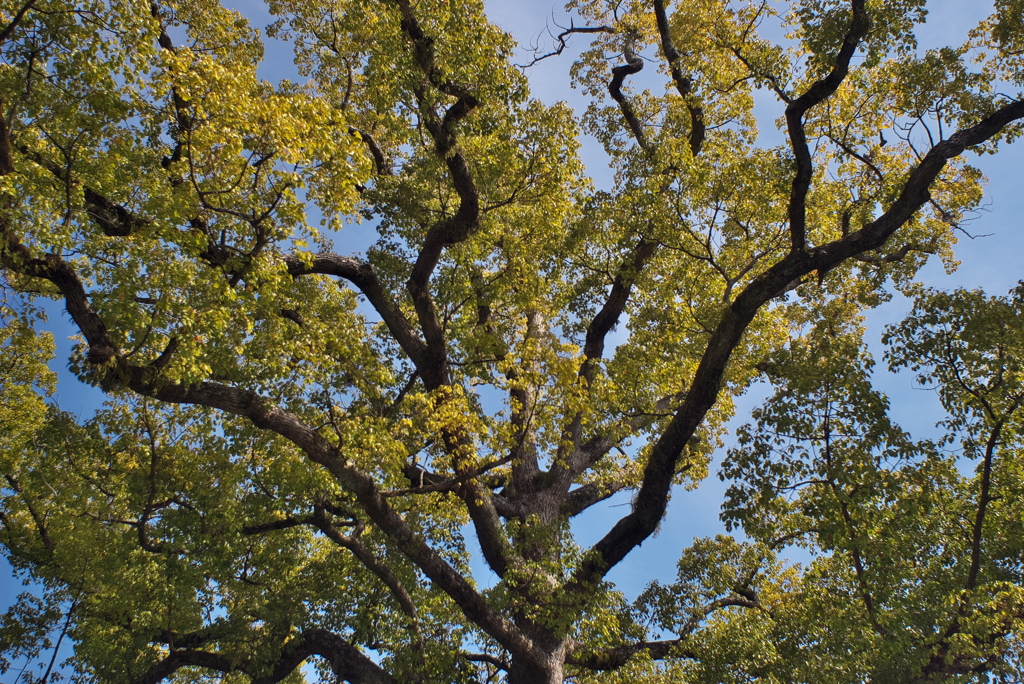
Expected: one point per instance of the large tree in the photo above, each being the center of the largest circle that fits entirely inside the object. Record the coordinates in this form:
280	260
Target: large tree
303	446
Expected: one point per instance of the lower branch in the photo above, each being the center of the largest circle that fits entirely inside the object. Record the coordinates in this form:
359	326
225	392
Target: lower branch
346	661
616	657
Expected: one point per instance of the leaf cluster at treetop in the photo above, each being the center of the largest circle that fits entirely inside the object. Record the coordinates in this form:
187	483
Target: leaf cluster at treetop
303	447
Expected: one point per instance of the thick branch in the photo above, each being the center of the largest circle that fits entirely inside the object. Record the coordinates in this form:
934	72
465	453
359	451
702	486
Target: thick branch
608	317
275	525
347	662
652	498
632	66
19	258
616	657
362	275
37	519
263	414
860	24
425	481
323	522
10	28
593	350
380	162
984	499
524	452
466	220
114	219
422	481
185	658
585	496
683	83
448	231
598	446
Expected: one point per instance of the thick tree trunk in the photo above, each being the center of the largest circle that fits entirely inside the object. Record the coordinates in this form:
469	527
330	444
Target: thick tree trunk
545	665
525	671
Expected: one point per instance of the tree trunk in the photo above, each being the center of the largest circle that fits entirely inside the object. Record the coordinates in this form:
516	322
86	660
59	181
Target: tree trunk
525	671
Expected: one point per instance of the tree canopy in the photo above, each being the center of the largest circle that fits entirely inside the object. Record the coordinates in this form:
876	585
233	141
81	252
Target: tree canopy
303	447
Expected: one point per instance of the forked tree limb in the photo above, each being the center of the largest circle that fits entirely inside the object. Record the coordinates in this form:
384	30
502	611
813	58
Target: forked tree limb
15	21
652	498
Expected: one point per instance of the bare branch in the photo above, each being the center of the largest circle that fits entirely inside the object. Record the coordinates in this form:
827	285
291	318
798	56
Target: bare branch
563	42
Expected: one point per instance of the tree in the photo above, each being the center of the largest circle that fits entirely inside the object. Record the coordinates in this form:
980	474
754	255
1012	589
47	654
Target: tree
300	441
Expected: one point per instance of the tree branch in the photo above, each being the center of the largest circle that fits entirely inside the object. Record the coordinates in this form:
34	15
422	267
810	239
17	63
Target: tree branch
632	66
37	519
684	84
346	661
451	230
523	400
384	573
380	162
362	275
860	24
985	497
585	496
9	29
430	482
466	220
650	502
563	42
265	415
617	656
114	219
593	350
